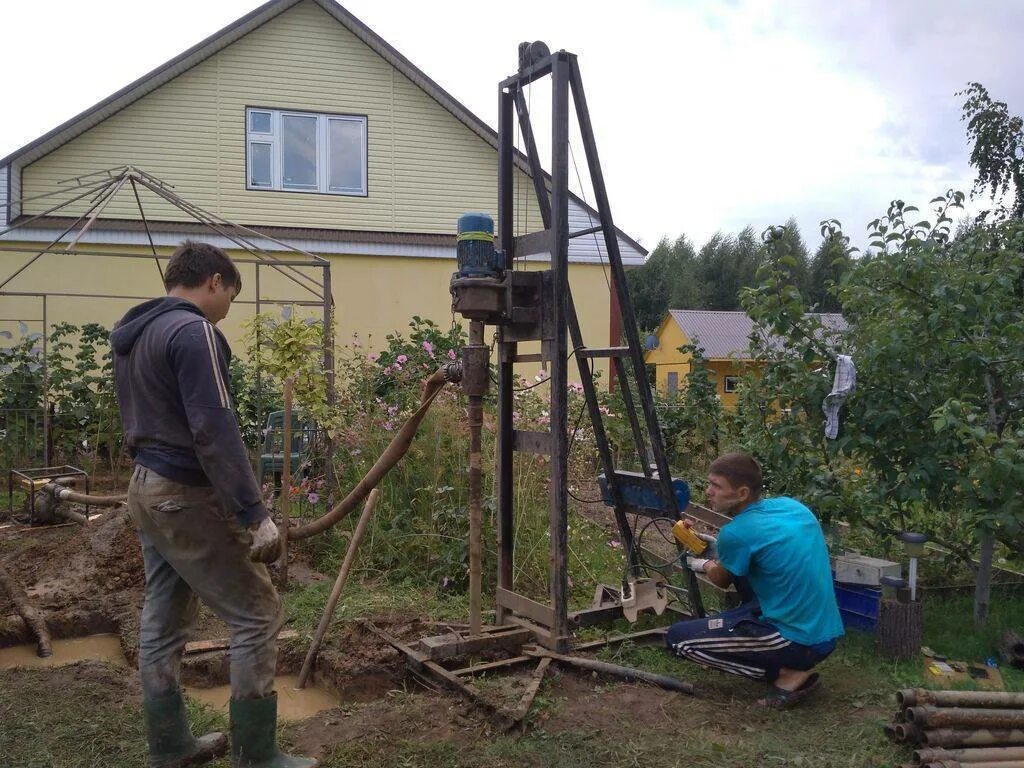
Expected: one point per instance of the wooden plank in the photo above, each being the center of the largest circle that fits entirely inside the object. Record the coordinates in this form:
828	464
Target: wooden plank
420	663
491	665
533	243
645	635
530	693
220	644
524	606
452	645
531	442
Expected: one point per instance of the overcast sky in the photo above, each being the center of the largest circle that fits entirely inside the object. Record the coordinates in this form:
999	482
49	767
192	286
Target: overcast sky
710	114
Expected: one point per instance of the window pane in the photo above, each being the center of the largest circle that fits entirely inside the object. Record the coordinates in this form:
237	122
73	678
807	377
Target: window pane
345	147
259	122
259	165
298	151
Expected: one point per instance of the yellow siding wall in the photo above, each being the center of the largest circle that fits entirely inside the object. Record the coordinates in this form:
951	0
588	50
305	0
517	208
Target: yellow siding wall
374	295
425	168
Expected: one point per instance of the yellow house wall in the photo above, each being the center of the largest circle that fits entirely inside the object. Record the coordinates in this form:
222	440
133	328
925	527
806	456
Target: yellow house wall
425	168
373	295
668	359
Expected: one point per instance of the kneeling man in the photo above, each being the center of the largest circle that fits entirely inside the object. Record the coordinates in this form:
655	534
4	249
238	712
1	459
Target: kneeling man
774	551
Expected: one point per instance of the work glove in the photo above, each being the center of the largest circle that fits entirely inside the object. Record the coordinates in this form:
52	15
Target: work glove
698	564
265	546
712	542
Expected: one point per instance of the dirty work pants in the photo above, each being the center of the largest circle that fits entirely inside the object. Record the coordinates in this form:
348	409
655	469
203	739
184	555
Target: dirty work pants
741	643
192	549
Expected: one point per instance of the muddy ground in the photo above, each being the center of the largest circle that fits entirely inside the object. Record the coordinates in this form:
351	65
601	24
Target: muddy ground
89	580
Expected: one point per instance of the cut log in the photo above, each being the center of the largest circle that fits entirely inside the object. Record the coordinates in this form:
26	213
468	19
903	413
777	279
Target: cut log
899	629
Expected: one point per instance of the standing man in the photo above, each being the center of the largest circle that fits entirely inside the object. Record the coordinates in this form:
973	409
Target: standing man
202	524
775	550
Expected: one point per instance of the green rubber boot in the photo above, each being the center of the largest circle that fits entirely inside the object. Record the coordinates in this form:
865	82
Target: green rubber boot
254	736
171	743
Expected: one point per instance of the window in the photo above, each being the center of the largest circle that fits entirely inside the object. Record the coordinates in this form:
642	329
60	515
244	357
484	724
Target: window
732	383
305	152
672	382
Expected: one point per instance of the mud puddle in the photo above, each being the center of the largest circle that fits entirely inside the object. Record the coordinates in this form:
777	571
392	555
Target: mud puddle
293	703
69	651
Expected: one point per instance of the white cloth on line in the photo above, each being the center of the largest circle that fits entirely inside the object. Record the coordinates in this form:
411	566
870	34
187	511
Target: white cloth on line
843	384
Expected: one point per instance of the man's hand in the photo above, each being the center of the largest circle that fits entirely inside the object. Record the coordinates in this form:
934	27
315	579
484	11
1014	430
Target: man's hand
265	546
712	542
698	564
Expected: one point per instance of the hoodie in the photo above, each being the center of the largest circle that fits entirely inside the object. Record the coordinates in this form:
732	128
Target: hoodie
171	374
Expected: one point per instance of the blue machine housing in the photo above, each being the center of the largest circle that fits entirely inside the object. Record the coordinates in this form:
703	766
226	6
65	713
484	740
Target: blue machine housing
643	492
475	247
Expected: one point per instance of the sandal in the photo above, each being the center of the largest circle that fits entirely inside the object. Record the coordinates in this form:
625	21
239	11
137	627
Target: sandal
779	698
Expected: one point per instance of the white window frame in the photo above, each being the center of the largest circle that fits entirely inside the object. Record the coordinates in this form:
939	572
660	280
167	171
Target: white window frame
731	384
275	140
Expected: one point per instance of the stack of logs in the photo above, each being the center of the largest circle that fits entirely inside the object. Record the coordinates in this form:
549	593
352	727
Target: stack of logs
950	729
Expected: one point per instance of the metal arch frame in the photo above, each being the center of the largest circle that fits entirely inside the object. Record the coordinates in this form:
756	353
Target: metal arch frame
100	192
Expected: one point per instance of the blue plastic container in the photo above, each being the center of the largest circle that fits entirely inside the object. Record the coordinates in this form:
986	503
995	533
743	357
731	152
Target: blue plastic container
858	605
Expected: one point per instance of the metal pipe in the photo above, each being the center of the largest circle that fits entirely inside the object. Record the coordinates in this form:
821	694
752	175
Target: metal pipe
937	717
908	733
913	697
626	673
476	421
970	755
971	737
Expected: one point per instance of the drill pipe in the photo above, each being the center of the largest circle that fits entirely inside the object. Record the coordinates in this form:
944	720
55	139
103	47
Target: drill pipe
970	756
985	764
890	733
971	737
914	697
908	733
391	456
475	414
938	717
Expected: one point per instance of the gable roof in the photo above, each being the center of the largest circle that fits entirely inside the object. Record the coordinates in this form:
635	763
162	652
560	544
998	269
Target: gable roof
726	334
216	42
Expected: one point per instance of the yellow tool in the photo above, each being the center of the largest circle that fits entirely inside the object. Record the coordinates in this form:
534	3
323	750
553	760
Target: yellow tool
691	541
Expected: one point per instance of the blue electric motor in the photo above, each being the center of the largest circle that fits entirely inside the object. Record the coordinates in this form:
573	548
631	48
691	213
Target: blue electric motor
475	250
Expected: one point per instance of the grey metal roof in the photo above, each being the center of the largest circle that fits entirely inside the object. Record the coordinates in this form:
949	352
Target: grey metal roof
726	334
236	30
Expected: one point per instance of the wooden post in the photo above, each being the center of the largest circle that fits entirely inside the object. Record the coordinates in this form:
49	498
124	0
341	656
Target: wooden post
983	583
286	481
339	585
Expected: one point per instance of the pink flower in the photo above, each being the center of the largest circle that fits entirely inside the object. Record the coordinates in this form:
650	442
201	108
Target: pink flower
451	354
313	498
401	359
374	357
388	426
614	544
429	347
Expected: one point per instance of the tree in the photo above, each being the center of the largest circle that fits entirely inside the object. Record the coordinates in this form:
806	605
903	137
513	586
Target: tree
935	429
725	265
825	272
997	150
665	282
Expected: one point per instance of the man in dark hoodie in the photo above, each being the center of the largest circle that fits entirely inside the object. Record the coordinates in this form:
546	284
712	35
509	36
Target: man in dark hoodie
204	530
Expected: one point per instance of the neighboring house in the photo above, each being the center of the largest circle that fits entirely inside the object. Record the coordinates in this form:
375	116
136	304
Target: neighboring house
723	337
301	122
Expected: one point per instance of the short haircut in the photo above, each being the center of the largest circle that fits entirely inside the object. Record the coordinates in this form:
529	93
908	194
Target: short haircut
741	470
193	263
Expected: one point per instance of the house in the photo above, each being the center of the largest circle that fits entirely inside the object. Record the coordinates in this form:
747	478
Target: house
723	337
299	121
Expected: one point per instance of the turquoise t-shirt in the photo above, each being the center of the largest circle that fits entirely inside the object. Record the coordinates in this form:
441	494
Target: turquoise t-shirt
778	545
